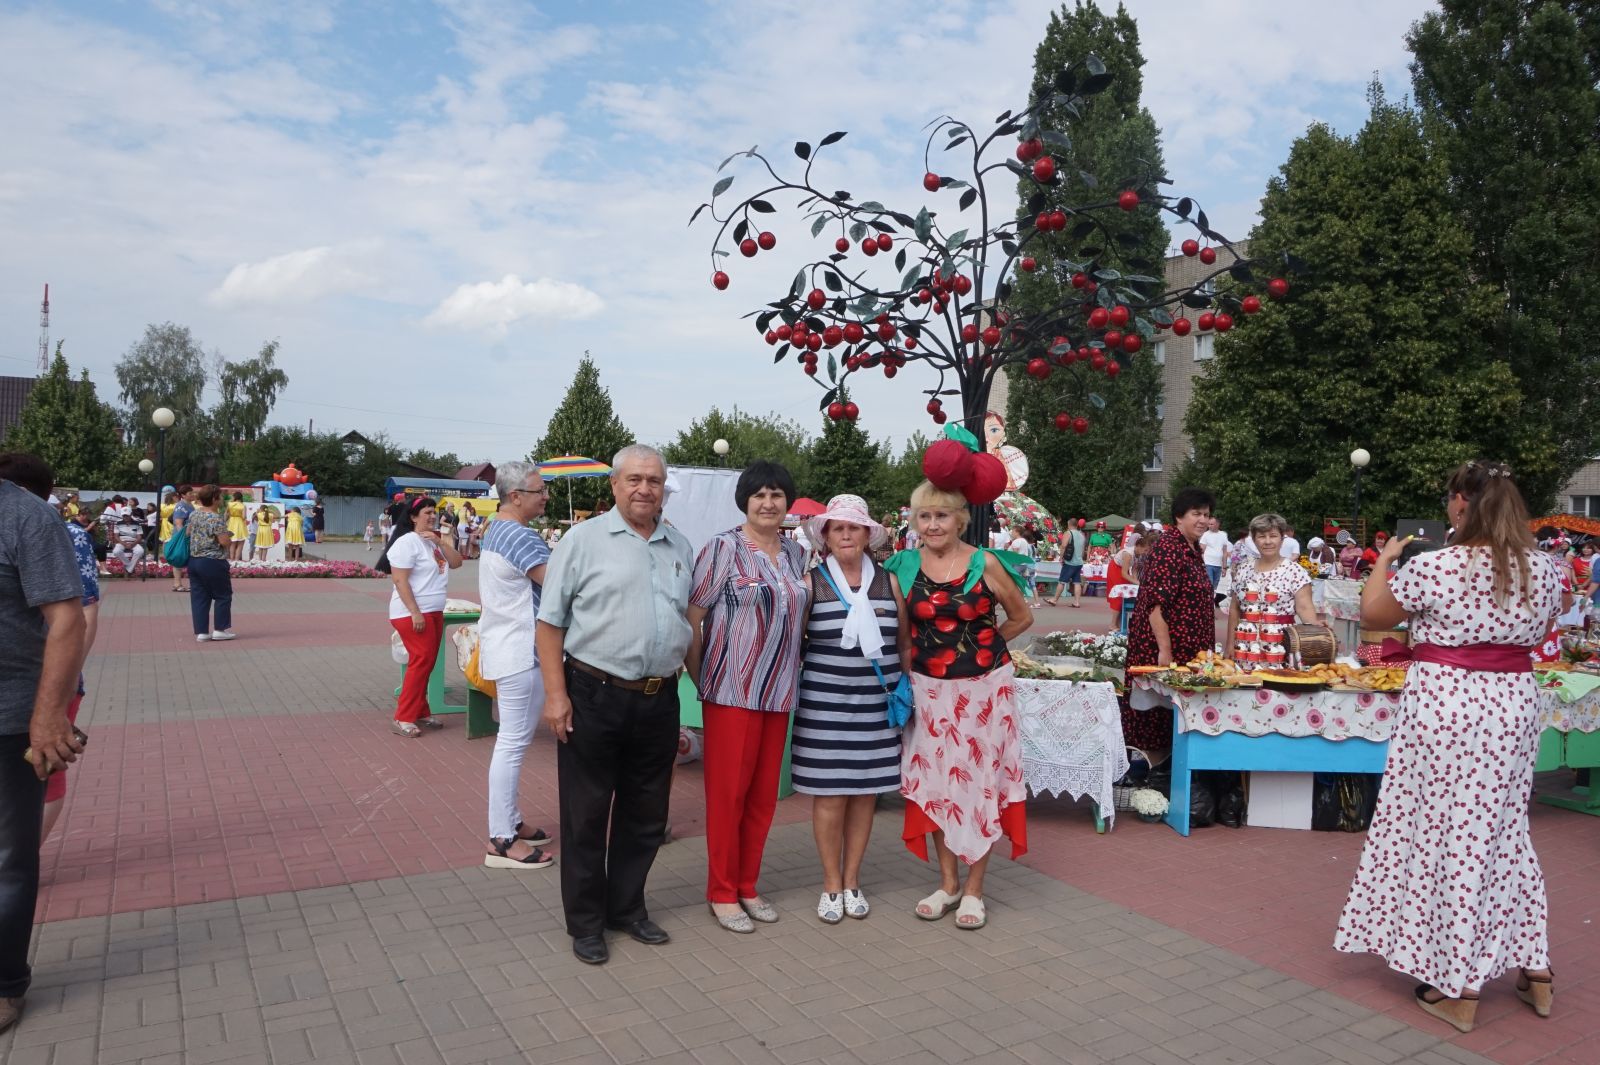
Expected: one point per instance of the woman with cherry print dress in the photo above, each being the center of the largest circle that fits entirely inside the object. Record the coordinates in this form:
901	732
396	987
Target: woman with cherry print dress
1449	889
961	763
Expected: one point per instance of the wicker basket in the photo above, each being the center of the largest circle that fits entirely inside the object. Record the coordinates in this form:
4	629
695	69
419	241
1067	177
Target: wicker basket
1312	645
1122	791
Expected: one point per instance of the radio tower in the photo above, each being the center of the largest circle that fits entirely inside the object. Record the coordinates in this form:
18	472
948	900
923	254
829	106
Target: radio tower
44	332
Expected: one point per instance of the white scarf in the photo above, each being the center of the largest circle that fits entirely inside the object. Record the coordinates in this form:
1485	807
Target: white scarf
861	623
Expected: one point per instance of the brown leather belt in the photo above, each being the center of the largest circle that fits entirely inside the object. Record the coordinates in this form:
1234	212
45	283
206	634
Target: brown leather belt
649	685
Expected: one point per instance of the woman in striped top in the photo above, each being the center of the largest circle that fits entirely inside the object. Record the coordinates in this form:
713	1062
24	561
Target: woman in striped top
747	607
845	753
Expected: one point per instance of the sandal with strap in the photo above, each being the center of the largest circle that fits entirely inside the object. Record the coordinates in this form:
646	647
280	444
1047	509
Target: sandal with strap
1539	993
830	908
405	728
1458	1013
538	838
971	915
855	904
935	906
429	723
500	859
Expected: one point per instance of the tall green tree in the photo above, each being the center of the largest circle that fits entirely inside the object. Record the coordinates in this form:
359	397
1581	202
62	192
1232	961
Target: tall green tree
749	437
1510	91
584	424
1378	348
67	425
1115	144
166	368
844	459
902	475
248	391
446	464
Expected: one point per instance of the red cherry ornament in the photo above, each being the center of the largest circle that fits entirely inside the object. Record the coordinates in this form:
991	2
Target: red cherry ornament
851	411
1063	421
1208	255
1277	288
1191	248
1206	321
767	241
991	336
1119	315
841	245
1128	200
1223	322
1028	265
1099	317
747	248
1044	169
1250	304
719	280
816	298
885	242
931	182
1181	326
869	246
1080	425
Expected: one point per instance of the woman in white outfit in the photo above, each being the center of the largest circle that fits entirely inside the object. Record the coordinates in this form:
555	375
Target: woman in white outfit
510	576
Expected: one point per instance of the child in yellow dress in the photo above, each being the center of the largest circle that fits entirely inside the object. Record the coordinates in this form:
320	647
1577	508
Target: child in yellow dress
264	538
294	534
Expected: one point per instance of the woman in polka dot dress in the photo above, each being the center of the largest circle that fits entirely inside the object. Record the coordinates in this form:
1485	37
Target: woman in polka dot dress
1449	890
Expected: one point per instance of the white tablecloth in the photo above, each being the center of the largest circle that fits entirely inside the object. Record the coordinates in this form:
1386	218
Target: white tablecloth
1329	714
1343	599
1071	740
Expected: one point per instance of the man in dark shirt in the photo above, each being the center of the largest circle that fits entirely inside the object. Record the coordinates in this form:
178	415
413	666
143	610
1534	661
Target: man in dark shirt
41	645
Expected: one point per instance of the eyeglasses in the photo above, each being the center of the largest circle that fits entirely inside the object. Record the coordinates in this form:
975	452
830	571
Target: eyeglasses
542	490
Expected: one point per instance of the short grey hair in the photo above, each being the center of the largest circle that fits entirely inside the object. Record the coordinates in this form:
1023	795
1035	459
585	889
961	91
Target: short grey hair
1269	523
637	451
513	476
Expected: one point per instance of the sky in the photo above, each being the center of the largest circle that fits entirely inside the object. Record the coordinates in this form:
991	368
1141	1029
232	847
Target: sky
437	207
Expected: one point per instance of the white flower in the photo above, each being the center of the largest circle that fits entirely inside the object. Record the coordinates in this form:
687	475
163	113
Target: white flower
1149	802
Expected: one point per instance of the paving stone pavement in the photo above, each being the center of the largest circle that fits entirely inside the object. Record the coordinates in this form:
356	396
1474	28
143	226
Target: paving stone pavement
473	965
251	869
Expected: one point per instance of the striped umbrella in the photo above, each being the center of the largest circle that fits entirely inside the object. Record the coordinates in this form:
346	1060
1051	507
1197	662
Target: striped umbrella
572	466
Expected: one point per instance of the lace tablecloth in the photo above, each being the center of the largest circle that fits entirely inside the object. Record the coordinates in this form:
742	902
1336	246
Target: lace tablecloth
1342	600
1071	740
1329	714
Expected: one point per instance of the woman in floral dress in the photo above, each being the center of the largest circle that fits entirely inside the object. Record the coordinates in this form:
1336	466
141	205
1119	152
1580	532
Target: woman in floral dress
1270	572
961	764
1175	617
1448	889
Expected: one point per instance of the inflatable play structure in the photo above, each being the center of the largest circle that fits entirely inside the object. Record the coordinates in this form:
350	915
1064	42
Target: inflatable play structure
287	490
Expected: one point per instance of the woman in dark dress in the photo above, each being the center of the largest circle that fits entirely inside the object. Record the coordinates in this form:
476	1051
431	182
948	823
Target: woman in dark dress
1174	618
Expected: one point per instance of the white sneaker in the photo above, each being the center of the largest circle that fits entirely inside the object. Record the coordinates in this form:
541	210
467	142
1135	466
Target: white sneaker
830	908
855	903
223	636
202	638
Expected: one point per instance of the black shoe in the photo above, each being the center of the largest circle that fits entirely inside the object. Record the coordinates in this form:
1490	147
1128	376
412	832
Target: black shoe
590	950
645	931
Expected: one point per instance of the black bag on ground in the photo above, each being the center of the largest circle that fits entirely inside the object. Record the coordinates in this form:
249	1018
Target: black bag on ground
1202	801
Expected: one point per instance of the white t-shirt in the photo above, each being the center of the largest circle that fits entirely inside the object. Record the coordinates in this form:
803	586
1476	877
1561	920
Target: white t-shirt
1290	548
430	574
1021	546
1000	538
1216	545
510	600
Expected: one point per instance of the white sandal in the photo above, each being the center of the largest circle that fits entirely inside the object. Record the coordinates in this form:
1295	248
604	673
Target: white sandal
971	915
855	903
937	905
830	908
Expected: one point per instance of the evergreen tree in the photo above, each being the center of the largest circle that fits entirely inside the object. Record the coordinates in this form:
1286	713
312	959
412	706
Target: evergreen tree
66	424
844	459
1510	90
1378	348
584	424
749	437
1115	142
902	475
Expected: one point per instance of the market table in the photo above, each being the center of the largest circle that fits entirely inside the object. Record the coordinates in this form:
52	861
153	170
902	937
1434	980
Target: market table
479	707
1071	736
1334	732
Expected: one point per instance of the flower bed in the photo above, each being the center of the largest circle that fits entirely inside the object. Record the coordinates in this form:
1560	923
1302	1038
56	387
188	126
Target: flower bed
307	568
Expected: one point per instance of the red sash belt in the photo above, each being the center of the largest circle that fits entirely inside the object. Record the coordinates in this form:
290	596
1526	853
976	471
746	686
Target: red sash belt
1477	657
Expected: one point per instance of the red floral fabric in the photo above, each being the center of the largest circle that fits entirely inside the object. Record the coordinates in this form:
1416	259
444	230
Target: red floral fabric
1174	579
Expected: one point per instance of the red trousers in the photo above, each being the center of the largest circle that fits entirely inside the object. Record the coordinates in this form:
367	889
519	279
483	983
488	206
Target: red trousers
422	650
743	754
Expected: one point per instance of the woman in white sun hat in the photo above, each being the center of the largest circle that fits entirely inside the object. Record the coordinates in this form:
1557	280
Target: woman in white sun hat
844	751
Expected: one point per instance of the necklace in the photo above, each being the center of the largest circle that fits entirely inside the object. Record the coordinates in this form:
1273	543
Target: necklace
953	573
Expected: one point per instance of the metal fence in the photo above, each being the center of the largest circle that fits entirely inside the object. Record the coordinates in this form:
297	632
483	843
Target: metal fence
348	515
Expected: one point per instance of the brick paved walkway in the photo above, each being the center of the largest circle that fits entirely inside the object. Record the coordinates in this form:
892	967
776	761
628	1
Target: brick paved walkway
252	869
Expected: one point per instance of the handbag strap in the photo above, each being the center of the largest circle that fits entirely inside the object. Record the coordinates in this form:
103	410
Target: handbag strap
823	570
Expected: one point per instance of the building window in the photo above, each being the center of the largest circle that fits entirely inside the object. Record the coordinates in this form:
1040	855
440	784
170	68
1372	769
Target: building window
1161	412
1158	352
1153	463
1586	506
1205	347
1152	508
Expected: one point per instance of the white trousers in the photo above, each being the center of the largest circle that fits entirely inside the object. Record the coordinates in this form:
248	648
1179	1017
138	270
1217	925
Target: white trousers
520	701
128	558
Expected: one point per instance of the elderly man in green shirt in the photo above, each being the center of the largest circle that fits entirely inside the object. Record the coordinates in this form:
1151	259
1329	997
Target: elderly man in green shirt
611	637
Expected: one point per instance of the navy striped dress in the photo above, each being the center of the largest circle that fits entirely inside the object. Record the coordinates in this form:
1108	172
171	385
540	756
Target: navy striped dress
843	744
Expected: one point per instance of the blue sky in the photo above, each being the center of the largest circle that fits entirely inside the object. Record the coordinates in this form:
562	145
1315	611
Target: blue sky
437	207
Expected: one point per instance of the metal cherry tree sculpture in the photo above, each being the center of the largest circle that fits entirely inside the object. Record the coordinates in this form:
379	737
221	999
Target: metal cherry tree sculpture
947	300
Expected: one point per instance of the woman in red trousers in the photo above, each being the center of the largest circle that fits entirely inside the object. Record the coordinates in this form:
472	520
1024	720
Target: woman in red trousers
419	562
747	608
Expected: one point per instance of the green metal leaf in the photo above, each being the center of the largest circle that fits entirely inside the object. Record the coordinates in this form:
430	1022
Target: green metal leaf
857	231
721	186
924	225
816	227
957	238
802	149
832	138
833	367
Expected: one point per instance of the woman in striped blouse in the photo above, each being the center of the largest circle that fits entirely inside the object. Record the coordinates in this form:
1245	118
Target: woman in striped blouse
845	752
747	608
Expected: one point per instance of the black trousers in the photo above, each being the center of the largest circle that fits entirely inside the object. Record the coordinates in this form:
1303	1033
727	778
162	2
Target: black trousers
614	770
21	817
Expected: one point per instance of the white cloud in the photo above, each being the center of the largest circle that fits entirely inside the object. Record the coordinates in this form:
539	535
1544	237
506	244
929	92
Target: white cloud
496	305
295	277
